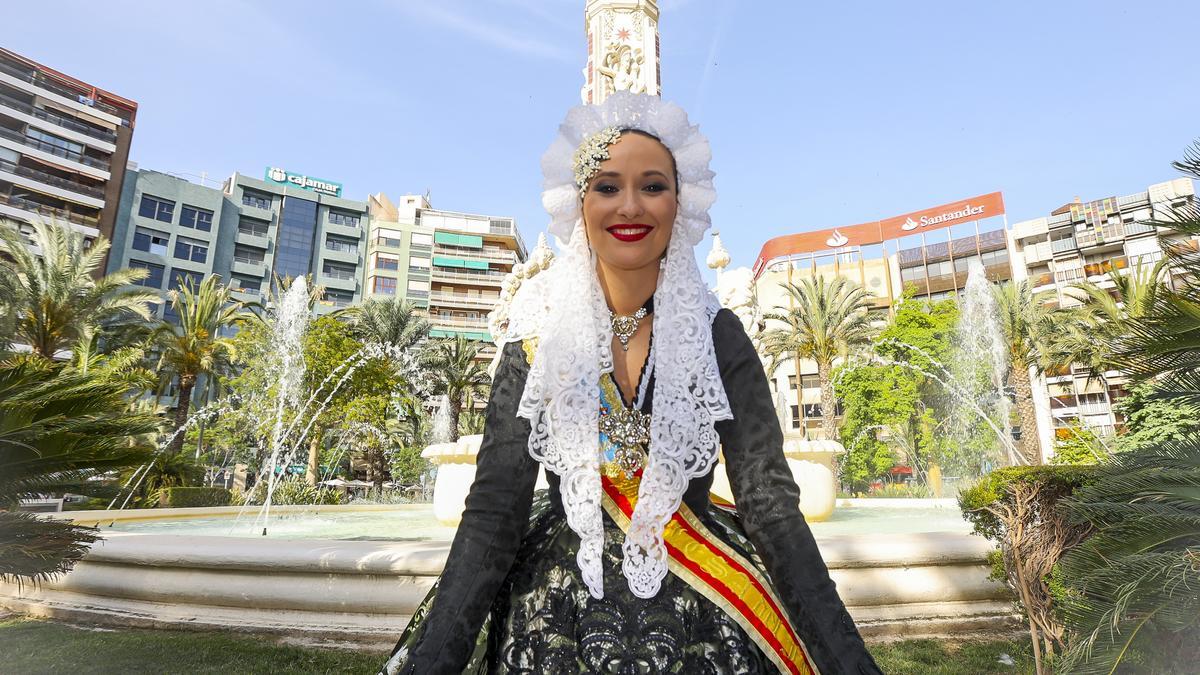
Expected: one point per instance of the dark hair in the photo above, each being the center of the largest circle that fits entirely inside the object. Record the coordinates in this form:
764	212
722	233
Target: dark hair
647	134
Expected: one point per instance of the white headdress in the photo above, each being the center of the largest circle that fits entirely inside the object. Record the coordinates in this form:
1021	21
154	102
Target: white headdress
564	307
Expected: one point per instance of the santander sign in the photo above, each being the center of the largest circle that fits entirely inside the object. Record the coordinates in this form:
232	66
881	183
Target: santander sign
967	211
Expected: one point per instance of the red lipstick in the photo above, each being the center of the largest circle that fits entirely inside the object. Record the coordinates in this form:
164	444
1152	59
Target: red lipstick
629	232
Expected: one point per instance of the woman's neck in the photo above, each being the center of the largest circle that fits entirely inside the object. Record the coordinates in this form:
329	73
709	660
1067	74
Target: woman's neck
627	290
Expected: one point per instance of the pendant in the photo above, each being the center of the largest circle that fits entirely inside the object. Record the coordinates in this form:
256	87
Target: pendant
623	327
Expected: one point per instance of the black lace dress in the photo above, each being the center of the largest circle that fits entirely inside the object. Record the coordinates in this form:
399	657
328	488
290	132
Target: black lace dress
511	598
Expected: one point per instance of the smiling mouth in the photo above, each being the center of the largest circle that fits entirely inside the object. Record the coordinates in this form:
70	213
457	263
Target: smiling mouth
626	232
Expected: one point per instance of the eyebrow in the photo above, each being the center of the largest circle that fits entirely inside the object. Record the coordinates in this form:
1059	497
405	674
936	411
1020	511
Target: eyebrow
651	172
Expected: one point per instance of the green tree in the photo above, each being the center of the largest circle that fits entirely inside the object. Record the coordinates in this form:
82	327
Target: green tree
1150	420
1030	325
457	373
60	431
199	345
56	297
329	345
889	403
390	321
823	320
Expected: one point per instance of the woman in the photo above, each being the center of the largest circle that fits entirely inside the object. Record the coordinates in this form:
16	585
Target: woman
620	375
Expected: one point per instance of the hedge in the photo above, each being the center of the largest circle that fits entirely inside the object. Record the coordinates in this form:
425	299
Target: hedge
177	497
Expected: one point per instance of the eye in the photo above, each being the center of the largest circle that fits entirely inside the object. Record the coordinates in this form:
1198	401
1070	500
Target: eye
605	188
655	187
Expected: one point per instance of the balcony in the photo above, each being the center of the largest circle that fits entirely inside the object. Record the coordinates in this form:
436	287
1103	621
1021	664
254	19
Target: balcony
341	254
496	255
340	280
1104	267
459	322
105	136
72	95
343	230
1044	279
463	299
481	278
54	150
49	211
95	195
1063	245
1132	229
252	238
256	267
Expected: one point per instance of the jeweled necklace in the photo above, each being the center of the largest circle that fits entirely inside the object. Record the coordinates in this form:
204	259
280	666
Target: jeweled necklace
623	327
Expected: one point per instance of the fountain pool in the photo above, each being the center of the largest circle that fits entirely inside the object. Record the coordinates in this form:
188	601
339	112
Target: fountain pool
417	522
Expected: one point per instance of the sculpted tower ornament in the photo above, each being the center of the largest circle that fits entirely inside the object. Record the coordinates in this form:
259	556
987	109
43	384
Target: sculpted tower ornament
622	39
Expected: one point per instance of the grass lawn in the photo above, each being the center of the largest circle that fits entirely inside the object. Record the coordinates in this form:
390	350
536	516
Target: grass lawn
41	647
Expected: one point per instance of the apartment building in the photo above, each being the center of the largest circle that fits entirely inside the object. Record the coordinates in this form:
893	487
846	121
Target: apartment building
1084	241
449	264
64	144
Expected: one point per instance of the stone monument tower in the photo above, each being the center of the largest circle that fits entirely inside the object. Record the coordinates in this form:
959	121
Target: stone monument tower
622	41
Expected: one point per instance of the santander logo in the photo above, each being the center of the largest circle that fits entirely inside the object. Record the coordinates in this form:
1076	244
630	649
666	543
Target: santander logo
965	212
837	240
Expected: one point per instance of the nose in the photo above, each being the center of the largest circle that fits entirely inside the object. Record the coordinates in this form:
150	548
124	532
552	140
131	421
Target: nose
631	205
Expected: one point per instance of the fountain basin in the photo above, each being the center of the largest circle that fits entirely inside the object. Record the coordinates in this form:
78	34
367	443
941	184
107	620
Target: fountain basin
364	592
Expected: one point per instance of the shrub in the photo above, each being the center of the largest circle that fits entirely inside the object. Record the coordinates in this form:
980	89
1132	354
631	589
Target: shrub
293	490
179	497
1018	508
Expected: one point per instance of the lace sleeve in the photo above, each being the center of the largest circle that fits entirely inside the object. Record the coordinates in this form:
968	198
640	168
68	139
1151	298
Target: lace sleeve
768	502
490	533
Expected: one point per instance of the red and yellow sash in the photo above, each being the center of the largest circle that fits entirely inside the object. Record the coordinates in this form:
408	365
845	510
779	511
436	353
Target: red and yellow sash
720	574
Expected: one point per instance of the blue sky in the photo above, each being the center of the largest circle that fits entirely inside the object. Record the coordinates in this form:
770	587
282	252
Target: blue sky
820	114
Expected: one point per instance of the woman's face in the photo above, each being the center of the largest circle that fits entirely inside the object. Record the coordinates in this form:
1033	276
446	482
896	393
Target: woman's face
630	205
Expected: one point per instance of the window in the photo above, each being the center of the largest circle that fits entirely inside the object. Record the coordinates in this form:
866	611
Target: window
384	286
418	289
388	237
343	245
422	239
54	145
253	226
150	241
197	219
335	271
913	273
186	279
190	249
157	209
154	276
337	298
386	262
256	199
246	254
344	219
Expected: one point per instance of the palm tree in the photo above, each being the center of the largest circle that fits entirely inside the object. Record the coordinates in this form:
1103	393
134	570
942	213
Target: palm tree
456	372
197	347
1133	587
389	321
823	321
1105	313
1032	329
60	431
55	295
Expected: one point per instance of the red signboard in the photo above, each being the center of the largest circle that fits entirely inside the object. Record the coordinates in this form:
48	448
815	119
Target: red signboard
879	231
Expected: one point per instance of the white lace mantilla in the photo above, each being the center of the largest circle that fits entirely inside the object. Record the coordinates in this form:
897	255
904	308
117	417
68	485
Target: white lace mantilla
564	307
